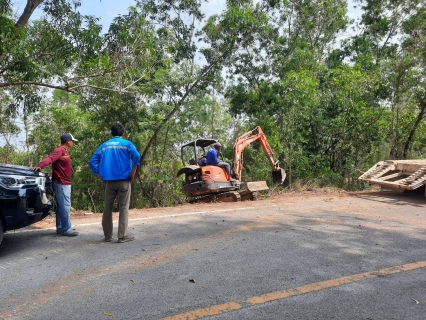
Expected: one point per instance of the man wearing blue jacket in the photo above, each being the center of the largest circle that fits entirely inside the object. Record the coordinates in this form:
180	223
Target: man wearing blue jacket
116	161
212	158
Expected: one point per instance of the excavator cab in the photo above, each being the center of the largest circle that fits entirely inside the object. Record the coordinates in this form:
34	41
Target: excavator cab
191	152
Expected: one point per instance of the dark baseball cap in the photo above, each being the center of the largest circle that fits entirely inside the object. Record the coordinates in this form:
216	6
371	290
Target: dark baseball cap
68	137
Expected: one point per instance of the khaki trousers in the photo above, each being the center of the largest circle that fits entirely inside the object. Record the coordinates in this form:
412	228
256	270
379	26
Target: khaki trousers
120	188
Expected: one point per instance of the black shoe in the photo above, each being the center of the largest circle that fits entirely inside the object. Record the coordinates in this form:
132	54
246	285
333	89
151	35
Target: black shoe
70	234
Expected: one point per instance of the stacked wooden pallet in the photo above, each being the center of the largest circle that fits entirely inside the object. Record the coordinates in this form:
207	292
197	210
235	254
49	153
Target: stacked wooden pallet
397	174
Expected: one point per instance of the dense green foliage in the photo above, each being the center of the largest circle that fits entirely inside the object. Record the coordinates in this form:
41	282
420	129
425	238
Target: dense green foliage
331	102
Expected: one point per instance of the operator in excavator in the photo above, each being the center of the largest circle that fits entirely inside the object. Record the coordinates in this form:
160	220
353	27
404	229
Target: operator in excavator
212	158
202	161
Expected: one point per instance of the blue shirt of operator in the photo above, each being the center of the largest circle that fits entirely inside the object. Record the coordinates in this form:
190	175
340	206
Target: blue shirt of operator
115	159
212	157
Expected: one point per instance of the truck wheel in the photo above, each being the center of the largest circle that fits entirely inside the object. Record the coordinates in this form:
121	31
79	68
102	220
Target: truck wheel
1	231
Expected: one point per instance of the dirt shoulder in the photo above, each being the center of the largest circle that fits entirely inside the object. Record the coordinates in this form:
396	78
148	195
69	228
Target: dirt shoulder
285	199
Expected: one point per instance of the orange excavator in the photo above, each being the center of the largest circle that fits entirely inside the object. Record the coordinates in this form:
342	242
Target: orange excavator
213	180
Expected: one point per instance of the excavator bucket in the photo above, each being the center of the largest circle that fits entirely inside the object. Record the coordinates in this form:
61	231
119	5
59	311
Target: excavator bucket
278	176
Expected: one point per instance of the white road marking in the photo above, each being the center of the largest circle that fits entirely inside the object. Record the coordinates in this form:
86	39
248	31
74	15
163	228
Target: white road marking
140	219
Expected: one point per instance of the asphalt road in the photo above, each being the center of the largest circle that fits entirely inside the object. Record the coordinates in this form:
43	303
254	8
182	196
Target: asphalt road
309	256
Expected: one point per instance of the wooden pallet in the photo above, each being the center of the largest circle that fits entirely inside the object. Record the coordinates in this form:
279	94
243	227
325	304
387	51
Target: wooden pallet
397	174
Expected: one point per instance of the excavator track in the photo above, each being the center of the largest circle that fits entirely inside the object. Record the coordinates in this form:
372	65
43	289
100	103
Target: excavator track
231	196
249	195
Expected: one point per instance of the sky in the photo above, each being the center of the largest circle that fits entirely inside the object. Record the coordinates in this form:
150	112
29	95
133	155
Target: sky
107	10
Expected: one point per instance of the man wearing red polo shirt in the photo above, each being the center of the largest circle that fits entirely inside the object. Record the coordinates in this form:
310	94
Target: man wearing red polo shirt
61	181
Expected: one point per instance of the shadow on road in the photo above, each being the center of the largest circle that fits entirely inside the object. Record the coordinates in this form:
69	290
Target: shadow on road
414	198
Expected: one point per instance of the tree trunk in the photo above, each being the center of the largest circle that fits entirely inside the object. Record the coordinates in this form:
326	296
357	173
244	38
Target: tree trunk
420	117
28	11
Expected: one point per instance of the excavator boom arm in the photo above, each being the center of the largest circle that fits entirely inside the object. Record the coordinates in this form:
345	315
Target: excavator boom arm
247	138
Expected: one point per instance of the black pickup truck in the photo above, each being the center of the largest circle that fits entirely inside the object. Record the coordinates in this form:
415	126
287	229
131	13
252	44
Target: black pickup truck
25	197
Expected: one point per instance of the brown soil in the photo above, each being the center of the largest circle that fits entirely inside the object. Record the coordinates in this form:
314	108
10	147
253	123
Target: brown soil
300	197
